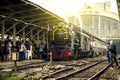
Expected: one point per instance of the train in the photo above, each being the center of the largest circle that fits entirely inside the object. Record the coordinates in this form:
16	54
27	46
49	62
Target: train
70	42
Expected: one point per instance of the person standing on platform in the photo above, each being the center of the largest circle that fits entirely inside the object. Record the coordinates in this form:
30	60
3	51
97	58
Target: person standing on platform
27	52
112	54
6	49
41	50
22	50
9	46
30	53
108	46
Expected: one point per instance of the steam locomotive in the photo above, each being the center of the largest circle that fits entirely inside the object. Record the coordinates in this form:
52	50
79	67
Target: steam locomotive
66	42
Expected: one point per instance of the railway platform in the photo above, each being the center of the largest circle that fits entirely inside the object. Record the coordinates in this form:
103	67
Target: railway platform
19	63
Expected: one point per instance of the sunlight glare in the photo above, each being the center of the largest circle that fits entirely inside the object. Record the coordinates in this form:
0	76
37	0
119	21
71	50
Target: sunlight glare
67	8
69	5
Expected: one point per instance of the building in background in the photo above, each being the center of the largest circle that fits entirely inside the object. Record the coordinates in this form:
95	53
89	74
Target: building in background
101	6
97	19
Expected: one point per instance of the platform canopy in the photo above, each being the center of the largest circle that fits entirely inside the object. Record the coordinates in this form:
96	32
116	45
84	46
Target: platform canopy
25	15
118	5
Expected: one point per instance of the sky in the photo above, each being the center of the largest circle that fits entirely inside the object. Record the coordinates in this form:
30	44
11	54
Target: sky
61	6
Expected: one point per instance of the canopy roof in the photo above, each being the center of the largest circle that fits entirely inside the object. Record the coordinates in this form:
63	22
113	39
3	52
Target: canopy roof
23	13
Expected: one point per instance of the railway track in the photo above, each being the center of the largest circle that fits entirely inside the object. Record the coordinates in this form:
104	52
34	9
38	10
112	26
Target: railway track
34	69
24	66
47	70
63	72
85	73
99	73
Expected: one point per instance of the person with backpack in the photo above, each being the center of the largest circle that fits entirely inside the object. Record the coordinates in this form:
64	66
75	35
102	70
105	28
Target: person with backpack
22	50
41	50
112	54
7	48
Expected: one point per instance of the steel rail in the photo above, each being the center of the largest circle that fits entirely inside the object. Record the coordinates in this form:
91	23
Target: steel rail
99	73
61	70
78	71
25	66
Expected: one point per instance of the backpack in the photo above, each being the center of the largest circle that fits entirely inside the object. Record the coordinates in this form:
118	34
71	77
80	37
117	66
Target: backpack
113	48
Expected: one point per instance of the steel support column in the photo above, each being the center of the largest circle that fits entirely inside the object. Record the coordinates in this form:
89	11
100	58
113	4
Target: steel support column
38	36
2	21
31	36
43	38
23	35
14	35
2	34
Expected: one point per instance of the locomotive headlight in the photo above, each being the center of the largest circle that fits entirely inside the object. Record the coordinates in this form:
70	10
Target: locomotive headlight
48	54
69	53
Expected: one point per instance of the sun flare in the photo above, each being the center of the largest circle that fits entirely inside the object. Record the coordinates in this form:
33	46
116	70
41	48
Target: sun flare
65	8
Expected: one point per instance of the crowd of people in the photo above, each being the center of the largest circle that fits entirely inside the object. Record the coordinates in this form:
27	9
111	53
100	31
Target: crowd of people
24	49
